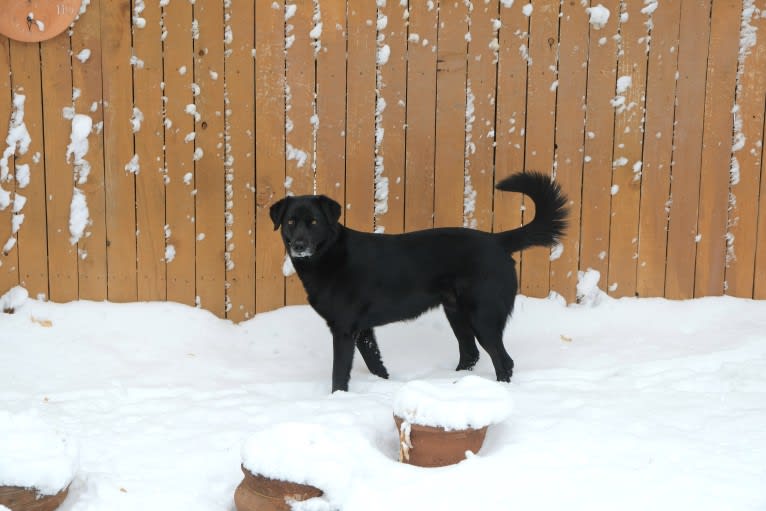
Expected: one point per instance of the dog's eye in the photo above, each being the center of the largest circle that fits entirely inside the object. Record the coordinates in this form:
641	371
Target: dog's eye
313	221
291	221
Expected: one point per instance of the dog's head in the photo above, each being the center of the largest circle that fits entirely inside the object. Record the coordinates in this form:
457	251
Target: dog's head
308	223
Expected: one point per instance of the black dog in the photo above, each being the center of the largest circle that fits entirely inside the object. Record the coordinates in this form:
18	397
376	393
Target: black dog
357	280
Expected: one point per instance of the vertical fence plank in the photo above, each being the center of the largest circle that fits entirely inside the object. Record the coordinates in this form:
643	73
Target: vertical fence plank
479	146
599	125
179	128
241	122
657	149
209	166
743	214
628	140
759	284
300	107
570	136
449	167
9	254
687	155
149	141
57	84
716	147
421	116
87	82
510	133
32	247
360	105
331	107
540	128
269	150
392	88
118	151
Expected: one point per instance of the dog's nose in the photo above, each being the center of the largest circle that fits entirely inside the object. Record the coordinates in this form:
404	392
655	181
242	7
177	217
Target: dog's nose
298	245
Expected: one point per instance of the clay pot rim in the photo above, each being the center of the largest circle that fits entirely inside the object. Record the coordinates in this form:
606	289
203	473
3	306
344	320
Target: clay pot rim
284	485
399	420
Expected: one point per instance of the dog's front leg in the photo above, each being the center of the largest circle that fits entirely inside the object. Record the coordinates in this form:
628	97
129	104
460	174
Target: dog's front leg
342	357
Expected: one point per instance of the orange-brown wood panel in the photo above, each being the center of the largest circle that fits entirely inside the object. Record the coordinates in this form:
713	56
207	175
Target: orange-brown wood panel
331	106
32	248
300	109
392	86
759	280
421	117
480	140
657	150
9	254
57	84
687	155
511	114
743	214
118	151
449	167
210	178
628	140
540	130
599	125
240	83
179	150
87	81
269	151
716	147
149	140
570	138
360	108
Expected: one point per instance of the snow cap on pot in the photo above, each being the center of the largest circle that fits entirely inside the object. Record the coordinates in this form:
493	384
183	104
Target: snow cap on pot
34	454
471	402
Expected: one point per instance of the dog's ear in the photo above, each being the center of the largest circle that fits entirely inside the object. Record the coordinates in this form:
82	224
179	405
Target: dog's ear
330	208
277	212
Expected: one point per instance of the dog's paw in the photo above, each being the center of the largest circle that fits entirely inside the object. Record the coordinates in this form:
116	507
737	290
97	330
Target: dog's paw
466	365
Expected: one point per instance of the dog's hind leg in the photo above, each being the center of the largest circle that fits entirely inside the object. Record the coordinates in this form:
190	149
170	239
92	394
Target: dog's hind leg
461	327
368	347
488	324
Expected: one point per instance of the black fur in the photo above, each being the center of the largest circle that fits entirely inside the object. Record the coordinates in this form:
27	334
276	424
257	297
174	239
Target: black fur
357	281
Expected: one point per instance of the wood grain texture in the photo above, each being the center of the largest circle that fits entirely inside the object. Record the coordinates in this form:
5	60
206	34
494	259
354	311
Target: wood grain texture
240	116
599	126
57	84
180	235
118	151
570	139
421	117
540	130
657	151
687	155
149	147
269	151
449	166
32	247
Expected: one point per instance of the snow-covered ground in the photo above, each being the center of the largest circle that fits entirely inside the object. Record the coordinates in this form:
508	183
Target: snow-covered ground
627	404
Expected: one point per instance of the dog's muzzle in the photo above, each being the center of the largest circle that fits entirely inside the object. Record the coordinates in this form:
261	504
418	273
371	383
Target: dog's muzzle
300	250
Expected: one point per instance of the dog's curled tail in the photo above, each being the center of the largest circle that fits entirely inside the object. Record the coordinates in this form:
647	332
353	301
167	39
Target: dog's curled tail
549	223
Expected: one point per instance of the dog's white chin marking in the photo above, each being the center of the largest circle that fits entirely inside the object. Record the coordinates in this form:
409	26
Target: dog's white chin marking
301	255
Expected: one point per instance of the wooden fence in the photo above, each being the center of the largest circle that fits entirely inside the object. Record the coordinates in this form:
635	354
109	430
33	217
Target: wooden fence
204	113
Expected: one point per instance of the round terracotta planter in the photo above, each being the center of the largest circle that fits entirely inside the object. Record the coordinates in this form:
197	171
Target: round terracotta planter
17	498
259	493
36	20
430	446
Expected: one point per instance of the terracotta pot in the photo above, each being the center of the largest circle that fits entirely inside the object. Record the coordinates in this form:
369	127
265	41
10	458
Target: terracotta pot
17	498
36	20
429	446
259	493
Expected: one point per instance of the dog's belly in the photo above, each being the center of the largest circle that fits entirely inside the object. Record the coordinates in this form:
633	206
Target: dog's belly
382	312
